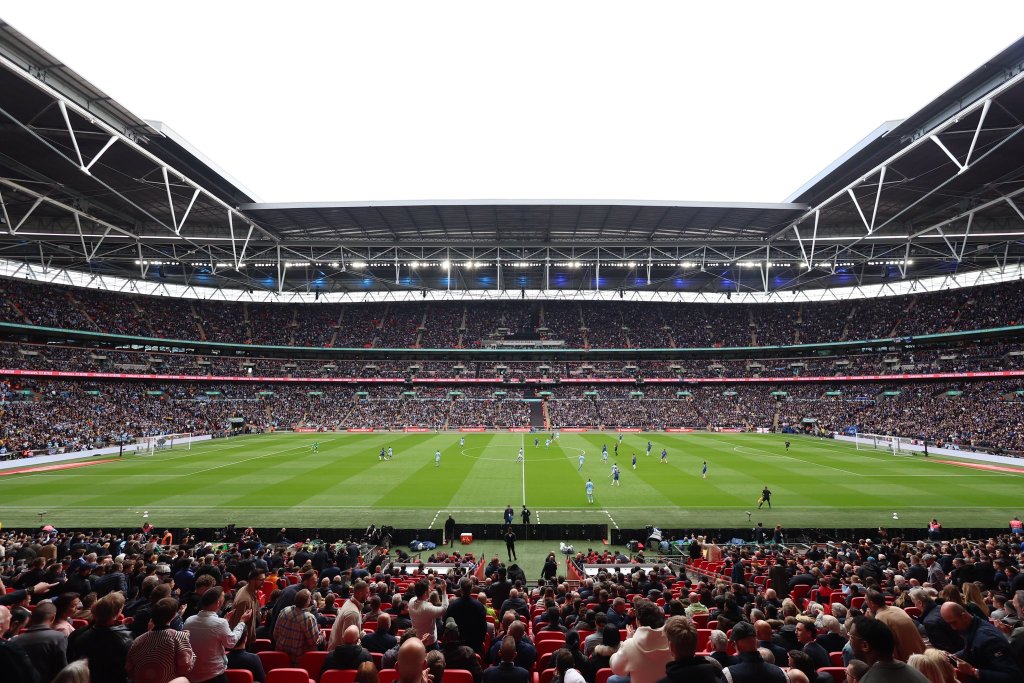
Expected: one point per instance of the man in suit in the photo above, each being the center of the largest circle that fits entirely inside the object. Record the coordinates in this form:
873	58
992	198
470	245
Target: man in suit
470	615
507	671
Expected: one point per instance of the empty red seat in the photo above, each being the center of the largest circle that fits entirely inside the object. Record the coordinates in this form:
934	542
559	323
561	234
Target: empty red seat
274	659
312	662
603	675
238	676
337	676
289	675
390	675
457	676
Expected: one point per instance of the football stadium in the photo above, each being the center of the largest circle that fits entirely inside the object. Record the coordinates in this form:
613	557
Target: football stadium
629	440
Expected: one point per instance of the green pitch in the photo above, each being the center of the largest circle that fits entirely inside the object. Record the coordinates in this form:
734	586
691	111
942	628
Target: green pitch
276	480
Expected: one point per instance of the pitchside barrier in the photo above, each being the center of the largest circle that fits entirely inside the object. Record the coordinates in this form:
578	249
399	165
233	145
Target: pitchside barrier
43	458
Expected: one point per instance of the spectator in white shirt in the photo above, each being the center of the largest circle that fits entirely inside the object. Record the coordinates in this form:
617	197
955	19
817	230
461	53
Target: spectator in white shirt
423	614
211	637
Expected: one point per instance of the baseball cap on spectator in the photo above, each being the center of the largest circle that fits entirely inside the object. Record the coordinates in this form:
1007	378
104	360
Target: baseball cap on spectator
743	629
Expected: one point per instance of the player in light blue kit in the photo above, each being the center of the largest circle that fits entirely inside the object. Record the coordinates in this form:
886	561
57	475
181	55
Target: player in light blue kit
462	441
590	491
437	458
581	461
604	452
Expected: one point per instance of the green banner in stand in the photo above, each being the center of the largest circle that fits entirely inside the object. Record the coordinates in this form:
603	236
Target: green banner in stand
545	393
362	394
266	393
154	393
91	392
408	393
590	393
505	393
684	393
636	394
26	392
890	393
729	393
833	393
212	393
455	393
953	392
780	393
315	393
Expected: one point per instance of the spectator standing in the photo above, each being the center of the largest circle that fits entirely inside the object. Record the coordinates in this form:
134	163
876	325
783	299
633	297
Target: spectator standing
686	666
470	615
45	647
211	637
424	615
103	642
162	654
296	631
643	657
13	662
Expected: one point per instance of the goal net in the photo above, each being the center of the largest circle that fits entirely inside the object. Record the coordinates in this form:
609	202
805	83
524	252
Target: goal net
896	445
148	445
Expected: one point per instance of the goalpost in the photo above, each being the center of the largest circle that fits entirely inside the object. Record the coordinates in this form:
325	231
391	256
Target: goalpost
148	445
896	445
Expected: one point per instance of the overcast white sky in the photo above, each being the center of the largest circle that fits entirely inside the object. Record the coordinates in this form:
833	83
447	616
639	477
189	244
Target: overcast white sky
484	100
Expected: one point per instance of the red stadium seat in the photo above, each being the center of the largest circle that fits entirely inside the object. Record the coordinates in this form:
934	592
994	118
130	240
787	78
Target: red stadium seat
545	647
238	676
836	658
289	675
549	635
338	676
701	620
457	676
547	674
387	676
264	644
274	659
603	675
312	662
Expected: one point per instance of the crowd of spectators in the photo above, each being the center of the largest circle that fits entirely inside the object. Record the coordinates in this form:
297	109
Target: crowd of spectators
969	357
137	607
615	324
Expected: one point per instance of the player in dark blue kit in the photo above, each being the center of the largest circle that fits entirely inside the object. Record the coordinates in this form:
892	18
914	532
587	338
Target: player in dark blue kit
650	446
634	461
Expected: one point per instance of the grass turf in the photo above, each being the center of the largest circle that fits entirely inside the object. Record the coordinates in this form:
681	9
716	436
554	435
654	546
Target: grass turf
274	480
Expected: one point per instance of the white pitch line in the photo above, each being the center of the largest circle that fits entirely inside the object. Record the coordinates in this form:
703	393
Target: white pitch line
789	457
522	449
255	457
431	526
611	519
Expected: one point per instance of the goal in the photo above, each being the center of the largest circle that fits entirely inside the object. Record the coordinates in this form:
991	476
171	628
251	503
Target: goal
148	445
896	445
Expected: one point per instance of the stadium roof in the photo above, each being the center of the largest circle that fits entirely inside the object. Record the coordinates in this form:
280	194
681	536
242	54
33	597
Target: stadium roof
87	186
